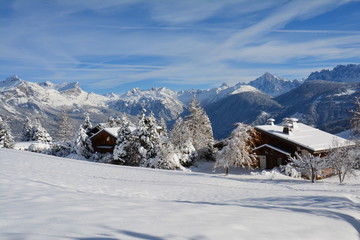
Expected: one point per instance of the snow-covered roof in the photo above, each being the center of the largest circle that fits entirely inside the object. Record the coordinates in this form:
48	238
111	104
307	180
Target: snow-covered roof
272	147
307	137
112	131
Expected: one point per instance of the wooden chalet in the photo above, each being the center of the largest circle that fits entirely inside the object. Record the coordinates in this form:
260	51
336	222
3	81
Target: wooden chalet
276	143
104	140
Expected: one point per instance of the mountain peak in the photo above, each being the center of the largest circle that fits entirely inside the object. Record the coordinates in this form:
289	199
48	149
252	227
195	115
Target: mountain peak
340	73
10	82
273	85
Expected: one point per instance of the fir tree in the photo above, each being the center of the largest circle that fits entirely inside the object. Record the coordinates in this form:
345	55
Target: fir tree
181	141
40	134
87	123
125	149
82	144
27	132
200	130
6	138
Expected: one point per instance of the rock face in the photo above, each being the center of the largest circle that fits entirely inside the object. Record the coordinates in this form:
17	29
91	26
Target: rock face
274	85
340	73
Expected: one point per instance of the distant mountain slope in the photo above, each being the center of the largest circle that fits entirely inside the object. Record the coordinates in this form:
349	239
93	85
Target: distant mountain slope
274	85
340	73
19	99
324	104
245	107
162	102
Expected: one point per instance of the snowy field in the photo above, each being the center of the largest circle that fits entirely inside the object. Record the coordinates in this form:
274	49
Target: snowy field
44	197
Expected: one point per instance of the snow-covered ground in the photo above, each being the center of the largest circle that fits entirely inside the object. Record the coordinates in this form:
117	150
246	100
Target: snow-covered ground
44	197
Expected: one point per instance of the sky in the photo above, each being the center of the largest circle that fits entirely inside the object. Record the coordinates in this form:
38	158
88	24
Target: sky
116	45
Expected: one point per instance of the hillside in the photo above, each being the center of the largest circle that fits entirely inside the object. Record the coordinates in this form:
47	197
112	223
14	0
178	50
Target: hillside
45	197
324	104
340	73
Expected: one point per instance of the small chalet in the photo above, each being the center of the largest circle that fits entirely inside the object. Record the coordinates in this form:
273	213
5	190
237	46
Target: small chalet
104	140
278	142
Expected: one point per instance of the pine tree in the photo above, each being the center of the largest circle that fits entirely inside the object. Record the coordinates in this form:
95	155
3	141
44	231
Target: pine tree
181	140
27	132
200	130
148	139
65	127
6	138
238	149
125	151
87	123
82	144
40	134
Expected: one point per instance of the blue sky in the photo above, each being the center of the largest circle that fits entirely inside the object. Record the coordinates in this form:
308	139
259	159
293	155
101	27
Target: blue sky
116	45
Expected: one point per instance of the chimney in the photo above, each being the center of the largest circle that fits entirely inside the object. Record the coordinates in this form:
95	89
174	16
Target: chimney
270	121
290	125
287	128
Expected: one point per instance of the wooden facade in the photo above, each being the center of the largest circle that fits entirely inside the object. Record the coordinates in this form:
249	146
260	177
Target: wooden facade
103	142
274	151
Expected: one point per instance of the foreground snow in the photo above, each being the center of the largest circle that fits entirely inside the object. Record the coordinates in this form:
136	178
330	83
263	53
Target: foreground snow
44	197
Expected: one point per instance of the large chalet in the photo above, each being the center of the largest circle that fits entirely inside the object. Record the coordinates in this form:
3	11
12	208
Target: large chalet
276	143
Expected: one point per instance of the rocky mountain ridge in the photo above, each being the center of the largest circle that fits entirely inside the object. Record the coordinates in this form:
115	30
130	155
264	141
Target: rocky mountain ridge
324	104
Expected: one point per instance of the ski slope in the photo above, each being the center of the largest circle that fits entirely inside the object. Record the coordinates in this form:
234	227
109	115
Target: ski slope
44	197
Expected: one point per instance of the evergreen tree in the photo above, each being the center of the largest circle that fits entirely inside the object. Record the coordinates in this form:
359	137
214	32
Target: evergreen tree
6	139
125	151
40	134
238	149
180	139
200	130
148	139
82	144
65	127
87	123
27	132
115	122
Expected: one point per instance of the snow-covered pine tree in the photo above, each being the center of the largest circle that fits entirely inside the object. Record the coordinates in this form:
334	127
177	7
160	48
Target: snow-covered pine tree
167	157
125	149
115	122
237	150
310	165
40	134
6	138
148	138
181	140
27	132
87	123
65	127
200	130
82	144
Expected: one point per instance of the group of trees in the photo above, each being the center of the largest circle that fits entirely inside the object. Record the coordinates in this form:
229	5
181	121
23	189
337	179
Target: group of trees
147	142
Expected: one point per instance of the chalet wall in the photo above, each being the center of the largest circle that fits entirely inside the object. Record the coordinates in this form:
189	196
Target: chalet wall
103	142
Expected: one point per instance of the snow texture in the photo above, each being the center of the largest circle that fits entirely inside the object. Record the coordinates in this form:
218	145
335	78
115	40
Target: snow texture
45	197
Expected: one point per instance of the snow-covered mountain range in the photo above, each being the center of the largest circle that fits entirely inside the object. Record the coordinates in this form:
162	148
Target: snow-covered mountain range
274	85
312	102
340	73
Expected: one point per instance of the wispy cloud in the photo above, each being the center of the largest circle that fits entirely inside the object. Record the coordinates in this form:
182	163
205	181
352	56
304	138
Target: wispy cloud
107	44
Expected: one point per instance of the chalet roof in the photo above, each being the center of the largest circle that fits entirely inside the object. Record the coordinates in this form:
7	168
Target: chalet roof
307	137
272	147
112	131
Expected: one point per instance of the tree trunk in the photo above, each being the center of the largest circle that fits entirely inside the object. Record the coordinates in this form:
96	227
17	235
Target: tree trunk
227	169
